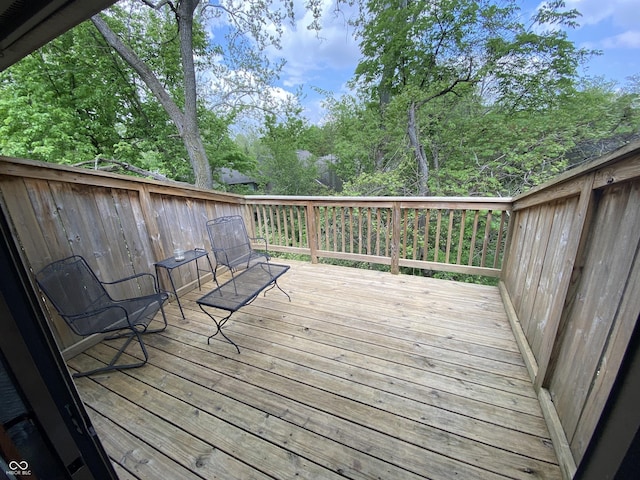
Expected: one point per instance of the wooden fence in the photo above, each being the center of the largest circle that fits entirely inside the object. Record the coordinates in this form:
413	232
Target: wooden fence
463	235
571	283
121	225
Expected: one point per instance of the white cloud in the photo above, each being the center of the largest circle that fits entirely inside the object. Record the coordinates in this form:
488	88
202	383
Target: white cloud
622	13
612	24
310	54
323	59
606	25
628	39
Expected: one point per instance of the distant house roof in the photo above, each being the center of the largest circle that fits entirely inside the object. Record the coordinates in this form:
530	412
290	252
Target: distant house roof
230	176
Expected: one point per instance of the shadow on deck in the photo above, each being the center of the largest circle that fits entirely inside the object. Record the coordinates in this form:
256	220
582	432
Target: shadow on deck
363	375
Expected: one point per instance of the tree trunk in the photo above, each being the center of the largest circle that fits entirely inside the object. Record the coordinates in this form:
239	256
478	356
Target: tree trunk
191	134
418	150
186	122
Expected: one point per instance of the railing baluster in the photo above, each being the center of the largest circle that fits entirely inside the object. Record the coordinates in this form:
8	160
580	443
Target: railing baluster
278	235
449	236
300	229
427	226
436	248
342	230
336	230
416	233
369	230
378	227
473	237
485	243
350	229
388	231
265	221
499	242
257	219
271	224
395	237
403	229
463	221
360	239
312	231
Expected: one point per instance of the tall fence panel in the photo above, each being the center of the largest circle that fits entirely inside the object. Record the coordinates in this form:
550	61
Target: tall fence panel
570	282
603	303
121	225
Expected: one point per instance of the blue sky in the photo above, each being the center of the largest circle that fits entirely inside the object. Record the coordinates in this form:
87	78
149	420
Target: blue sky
327	61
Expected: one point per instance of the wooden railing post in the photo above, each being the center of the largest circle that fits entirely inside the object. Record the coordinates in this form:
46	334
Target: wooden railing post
312	233
395	238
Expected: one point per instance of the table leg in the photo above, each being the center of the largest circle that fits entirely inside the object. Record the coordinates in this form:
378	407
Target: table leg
219	326
275	284
175	292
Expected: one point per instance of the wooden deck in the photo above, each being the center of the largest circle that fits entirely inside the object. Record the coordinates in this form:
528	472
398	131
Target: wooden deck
363	375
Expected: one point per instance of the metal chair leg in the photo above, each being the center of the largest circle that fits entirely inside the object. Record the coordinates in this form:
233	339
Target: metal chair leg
112	364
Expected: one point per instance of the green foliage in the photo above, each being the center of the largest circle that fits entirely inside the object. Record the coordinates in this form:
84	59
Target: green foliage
282	171
440	72
50	111
70	102
498	106
74	100
375	184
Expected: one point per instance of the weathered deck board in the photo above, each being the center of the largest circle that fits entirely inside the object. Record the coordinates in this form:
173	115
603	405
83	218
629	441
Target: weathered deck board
363	375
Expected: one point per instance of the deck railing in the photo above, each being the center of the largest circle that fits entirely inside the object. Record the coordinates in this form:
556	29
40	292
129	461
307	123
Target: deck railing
462	235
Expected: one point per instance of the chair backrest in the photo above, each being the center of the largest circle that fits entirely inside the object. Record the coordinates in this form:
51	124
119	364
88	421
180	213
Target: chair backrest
229	240
72	287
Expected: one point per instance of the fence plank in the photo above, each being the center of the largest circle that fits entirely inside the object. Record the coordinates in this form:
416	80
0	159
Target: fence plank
611	360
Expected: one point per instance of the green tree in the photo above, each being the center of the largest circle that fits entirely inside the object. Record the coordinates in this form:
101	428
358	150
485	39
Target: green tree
251	25
183	113
420	55
48	108
73	101
282	170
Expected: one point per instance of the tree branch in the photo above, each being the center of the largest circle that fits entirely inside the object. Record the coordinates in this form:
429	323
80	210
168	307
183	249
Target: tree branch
125	166
143	70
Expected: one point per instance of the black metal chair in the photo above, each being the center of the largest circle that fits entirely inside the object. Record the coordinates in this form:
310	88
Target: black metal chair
83	302
231	244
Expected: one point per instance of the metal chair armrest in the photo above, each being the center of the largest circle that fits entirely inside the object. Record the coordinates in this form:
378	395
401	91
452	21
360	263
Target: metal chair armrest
72	319
263	240
136	276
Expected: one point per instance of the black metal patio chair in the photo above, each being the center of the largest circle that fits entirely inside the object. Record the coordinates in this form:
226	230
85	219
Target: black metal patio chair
231	244
84	303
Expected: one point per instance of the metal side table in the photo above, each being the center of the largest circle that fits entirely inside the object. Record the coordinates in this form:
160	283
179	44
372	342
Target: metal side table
189	256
